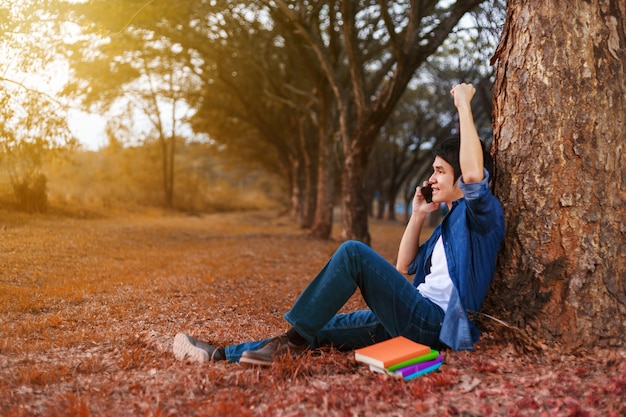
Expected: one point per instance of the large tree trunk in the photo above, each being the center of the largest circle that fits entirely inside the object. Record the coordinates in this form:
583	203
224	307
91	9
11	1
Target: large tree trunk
353	202
559	112
323	221
326	166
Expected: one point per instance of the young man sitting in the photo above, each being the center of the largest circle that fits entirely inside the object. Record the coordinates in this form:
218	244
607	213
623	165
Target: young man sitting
453	270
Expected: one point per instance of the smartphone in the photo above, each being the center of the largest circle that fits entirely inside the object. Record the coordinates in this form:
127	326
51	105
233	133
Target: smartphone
427	192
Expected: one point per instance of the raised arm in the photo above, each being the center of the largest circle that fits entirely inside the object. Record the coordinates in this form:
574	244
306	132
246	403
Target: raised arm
471	152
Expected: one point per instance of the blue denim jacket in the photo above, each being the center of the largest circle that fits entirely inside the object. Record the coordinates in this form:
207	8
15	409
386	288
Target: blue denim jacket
472	233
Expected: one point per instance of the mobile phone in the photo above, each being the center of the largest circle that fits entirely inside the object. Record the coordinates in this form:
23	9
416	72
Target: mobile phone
427	192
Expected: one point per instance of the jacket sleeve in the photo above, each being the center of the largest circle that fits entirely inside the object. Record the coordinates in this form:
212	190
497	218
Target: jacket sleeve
482	206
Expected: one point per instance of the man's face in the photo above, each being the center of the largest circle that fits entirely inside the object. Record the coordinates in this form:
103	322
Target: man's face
445	190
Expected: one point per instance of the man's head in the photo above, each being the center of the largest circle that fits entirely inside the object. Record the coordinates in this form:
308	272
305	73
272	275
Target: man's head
447	170
448	150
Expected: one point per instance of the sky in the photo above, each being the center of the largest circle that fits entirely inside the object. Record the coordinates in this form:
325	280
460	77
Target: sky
89	129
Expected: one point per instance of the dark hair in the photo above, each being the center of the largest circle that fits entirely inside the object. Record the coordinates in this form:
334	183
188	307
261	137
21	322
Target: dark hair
448	150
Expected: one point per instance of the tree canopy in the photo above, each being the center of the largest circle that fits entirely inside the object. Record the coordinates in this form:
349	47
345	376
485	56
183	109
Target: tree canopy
301	87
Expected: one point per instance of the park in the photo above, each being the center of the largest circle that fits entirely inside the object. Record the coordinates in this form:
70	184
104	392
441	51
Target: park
88	323
241	142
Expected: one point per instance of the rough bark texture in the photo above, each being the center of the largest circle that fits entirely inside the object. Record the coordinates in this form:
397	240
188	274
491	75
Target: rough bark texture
323	221
353	202
559	116
326	168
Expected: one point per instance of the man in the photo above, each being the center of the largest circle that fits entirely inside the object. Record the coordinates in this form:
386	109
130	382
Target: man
453	270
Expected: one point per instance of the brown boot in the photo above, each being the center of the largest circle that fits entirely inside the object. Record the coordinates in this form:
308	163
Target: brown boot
273	349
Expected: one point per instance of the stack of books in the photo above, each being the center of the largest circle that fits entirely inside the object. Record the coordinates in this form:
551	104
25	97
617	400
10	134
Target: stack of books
400	357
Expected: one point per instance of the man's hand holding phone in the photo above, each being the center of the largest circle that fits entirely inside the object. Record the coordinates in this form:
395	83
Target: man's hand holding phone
423	200
427	192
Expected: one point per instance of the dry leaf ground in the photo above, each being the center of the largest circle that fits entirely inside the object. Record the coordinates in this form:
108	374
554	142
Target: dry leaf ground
89	308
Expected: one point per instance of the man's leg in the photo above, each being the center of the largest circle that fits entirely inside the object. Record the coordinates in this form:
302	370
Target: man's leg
351	331
394	301
234	352
362	328
396	306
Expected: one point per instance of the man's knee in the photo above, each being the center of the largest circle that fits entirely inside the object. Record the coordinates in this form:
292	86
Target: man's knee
352	246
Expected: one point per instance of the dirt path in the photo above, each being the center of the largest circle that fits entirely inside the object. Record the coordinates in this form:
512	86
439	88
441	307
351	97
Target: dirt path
89	307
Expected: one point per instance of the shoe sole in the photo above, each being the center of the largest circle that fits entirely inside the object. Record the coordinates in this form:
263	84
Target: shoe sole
184	349
252	361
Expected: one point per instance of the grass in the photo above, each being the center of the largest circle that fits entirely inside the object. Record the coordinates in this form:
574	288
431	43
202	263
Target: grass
89	307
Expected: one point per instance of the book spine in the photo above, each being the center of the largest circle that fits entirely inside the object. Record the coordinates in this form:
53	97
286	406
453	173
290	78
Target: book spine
428	357
411	369
423	371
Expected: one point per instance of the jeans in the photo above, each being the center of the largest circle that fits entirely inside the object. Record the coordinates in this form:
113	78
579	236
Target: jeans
395	306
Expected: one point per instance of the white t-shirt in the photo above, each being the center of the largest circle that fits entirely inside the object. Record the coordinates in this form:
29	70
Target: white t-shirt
437	286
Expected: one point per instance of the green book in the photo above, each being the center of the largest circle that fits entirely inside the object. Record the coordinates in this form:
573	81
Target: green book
427	357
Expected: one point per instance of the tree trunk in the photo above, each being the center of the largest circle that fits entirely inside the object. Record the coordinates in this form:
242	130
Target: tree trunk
559	106
323	221
310	174
326	167
295	209
392	196
353	201
310	196
167	149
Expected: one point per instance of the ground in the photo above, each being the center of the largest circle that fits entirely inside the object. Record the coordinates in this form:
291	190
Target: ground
89	307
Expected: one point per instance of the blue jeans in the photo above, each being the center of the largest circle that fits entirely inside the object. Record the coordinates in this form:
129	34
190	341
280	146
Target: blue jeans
395	306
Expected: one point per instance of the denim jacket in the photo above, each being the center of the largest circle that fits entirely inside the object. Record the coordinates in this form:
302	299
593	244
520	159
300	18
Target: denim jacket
472	233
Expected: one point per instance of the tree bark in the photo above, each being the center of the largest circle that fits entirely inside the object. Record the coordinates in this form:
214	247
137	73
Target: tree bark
323	220
326	165
353	202
309	153
295	209
559	106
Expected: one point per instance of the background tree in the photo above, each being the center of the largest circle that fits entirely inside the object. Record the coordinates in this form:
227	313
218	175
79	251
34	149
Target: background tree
560	100
32	124
254	78
29	133
401	152
139	67
426	111
381	47
167	102
274	73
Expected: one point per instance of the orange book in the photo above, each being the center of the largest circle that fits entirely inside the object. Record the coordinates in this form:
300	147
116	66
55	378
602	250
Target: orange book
390	352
